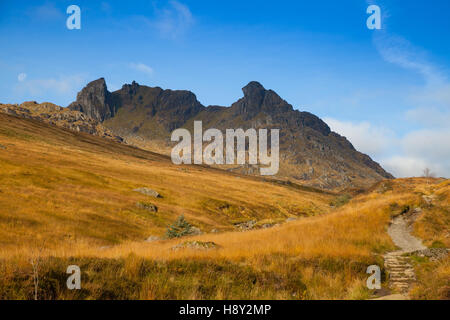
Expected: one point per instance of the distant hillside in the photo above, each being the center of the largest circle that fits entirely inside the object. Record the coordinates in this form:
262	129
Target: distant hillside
61	117
310	153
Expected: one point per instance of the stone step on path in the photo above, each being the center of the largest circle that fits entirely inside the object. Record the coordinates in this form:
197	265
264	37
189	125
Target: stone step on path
400	270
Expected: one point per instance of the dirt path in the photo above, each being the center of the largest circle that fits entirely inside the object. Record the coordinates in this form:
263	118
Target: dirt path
399	267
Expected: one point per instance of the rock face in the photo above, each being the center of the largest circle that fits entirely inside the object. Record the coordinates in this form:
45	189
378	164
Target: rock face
310	153
94	101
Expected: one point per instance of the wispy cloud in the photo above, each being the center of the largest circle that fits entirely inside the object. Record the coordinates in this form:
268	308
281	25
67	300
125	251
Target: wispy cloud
62	85
173	20
142	68
397	50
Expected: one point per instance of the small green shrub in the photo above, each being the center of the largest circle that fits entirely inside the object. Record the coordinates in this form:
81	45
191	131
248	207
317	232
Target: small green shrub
179	229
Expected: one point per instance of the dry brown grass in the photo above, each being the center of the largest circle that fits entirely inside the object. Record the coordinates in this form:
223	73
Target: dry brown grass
75	192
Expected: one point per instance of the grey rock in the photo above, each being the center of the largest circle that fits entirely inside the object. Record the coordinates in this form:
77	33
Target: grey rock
152	239
148	192
244	226
195	231
147	206
434	254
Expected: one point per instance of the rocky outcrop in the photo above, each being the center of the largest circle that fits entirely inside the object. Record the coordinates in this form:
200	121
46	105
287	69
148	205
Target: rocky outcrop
62	117
94	101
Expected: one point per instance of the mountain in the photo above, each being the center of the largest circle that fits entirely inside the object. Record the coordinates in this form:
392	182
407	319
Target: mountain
310	153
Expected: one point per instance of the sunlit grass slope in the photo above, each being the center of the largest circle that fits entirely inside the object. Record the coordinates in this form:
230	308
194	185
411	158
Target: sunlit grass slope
67	188
69	199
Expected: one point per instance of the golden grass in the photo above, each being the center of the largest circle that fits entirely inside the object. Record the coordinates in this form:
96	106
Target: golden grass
73	193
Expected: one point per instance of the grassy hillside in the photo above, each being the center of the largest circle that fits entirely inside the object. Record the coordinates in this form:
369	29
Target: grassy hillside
68	198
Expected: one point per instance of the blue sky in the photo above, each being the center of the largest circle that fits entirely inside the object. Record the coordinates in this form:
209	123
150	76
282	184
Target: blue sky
387	91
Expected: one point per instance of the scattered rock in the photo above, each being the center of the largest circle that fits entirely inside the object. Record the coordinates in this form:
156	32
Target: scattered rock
198	245
267	225
148	192
195	231
291	219
152	239
147	206
244	226
434	254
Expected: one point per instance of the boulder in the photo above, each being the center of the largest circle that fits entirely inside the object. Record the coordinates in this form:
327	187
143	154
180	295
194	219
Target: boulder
148	192
147	206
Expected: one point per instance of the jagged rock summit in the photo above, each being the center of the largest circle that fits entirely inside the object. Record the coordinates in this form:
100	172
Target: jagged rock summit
310	153
95	101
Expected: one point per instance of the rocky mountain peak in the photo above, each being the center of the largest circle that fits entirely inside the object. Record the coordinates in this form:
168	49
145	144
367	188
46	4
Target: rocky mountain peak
131	89
254	93
257	98
94	100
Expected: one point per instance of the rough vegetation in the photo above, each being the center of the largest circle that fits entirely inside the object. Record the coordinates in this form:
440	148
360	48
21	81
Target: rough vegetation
69	197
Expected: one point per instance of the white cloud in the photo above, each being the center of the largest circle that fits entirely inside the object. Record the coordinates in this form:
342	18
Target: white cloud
430	144
404	156
142	68
173	20
365	137
419	150
21	77
401	166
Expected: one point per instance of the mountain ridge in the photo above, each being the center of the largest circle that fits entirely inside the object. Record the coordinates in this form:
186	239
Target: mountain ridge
310	153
